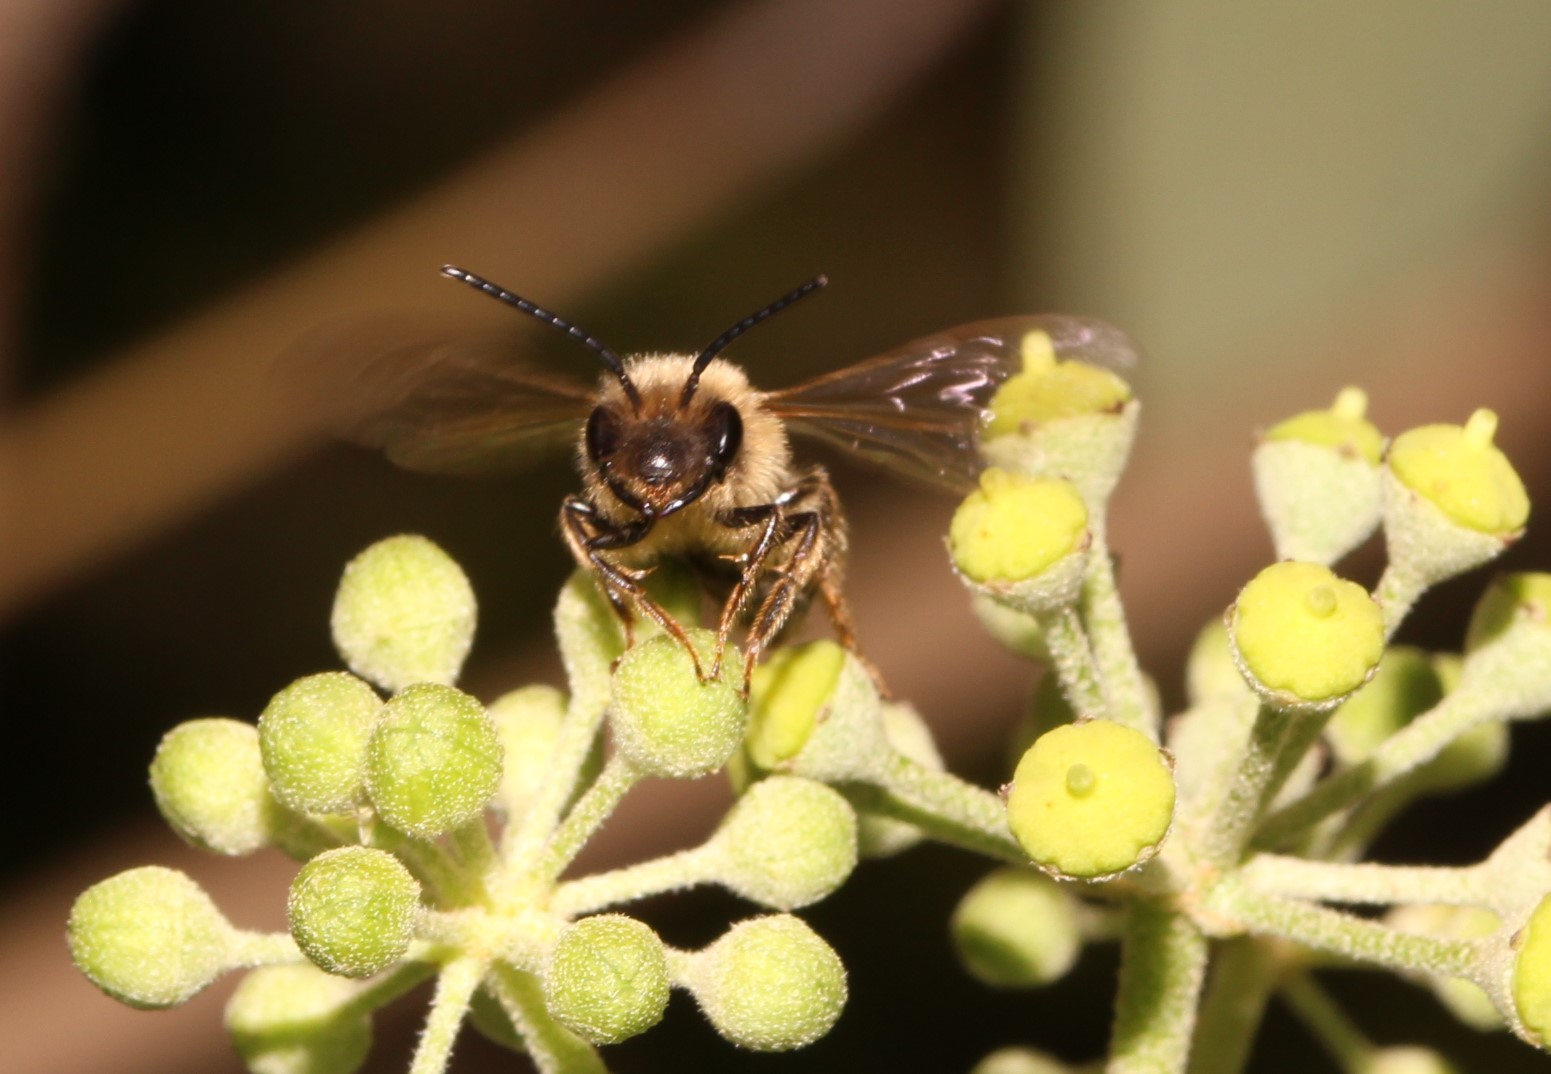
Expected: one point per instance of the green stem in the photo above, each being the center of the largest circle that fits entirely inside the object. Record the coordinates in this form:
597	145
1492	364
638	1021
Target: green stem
943	806
1412	746
430	862
1365	883
554	1048
586	817
249	949
383	990
474	848
1243	975
454	989
672	872
1074	663
1399	588
1162	963
1105	618
1328	1023
1253	784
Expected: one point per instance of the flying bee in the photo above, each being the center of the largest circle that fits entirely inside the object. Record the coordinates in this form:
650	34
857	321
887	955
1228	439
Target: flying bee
681	456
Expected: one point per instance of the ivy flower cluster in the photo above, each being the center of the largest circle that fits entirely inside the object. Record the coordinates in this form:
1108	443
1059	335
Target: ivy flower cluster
1221	848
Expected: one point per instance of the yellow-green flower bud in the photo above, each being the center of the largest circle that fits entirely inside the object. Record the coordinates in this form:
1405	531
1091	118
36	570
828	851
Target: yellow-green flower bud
1091	799
404	613
1210	670
1018	1060
769	984
1022	540
314	735
1460	471
666	721
879	836
149	937
1018	631
788	697
1404	1059
1065	419
208	779
788	842
433	760
289	1020
1303	637
1317	477
607	978
1508	644
1404	686
527	721
353	910
1532	972
1016	929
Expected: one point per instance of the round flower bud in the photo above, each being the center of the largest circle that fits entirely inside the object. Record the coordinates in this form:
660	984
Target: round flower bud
788	698
1303	637
527	722
769	984
877	835
314	735
787	842
1210	670
1404	1059
1022	540
404	613
1091	799
433	760
607	978
149	937
352	910
288	1020
1016	929
666	721
1463	474
1509	637
1532	972
1317	477
1404	686
1018	631
1017	1060
208	780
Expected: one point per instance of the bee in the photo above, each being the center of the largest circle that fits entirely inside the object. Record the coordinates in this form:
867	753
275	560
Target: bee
680	455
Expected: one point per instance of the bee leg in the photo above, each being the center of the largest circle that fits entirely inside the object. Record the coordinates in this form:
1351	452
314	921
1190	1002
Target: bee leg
588	536
770	517
809	548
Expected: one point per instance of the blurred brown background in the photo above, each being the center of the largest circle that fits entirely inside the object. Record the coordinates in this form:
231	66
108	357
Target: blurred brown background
1275	202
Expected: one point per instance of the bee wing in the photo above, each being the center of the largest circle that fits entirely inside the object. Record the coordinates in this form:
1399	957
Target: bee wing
433	402
917	410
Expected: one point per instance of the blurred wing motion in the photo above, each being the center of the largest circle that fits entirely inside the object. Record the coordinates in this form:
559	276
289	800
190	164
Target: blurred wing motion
434	405
918	409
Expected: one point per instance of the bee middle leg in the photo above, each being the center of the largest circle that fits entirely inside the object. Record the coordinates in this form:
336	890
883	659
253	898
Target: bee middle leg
588	536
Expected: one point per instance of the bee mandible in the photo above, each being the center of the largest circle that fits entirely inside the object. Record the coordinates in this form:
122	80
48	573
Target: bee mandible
681	456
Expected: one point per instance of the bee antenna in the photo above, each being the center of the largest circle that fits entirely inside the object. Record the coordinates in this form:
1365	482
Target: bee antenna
716	346
516	301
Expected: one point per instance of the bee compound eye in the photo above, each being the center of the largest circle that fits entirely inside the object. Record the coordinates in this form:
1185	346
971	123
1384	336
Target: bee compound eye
726	435
602	434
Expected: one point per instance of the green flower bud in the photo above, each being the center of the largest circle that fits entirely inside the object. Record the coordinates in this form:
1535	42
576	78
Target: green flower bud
1532	972
314	735
879	836
786	843
404	613
1017	631
1017	1060
1317	477
1210	670
1404	686
292	1020
788	697
675	586
1016	929
209	784
1065	419
1303	637
149	937
607	978
666	721
527	722
1463	474
353	910
1508	644
769	984
1404	1060
433	760
1091	799
1022	540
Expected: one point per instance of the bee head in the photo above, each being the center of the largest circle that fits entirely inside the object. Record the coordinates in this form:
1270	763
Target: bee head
660	461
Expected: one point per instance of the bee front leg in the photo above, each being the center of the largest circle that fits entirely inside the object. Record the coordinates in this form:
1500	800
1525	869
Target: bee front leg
771	518
588	535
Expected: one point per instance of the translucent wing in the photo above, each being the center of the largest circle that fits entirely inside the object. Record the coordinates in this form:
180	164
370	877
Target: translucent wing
917	409
435	403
